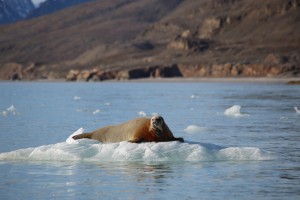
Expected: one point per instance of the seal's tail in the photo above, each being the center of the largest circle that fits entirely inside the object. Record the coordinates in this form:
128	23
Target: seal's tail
83	135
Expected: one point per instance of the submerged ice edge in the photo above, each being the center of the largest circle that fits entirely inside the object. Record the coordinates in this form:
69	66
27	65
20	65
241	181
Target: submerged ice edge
92	151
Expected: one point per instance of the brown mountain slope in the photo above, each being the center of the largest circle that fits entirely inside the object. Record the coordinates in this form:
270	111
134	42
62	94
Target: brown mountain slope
68	33
202	38
237	32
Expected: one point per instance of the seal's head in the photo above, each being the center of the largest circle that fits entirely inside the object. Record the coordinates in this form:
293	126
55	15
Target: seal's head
157	123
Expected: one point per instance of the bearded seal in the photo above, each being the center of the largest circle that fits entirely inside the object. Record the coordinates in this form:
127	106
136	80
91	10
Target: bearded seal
137	130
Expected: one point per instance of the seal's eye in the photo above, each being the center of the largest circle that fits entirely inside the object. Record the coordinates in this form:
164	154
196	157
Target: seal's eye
157	120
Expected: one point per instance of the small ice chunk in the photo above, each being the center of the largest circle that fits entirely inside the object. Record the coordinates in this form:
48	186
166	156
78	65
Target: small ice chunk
4	113
11	109
96	112
193	96
234	111
142	113
77	98
297	110
194	129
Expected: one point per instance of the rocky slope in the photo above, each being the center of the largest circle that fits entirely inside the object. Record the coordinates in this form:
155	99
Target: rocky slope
126	39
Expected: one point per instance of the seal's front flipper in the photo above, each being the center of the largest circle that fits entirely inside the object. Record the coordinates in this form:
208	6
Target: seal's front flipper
180	139
136	140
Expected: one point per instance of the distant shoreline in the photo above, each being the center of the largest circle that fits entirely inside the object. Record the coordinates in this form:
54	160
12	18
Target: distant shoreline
292	80
229	79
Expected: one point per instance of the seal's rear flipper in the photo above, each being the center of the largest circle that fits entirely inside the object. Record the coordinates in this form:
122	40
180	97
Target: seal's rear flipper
83	135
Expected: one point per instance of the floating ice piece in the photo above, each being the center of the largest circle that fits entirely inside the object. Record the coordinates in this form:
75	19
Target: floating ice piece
96	112
142	113
194	129
193	96
4	113
108	104
297	110
11	109
77	98
86	150
234	111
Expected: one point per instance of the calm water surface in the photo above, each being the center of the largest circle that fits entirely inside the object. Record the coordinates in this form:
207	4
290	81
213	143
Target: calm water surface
253	153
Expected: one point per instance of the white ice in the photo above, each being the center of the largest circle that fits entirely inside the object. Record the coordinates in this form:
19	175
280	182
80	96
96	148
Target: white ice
193	96
10	110
86	150
76	98
142	113
234	111
96	112
108	104
192	129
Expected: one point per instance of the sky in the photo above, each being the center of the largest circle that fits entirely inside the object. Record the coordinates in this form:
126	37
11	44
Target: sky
37	2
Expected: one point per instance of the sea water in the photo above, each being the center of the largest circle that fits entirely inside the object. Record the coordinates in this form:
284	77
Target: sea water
242	141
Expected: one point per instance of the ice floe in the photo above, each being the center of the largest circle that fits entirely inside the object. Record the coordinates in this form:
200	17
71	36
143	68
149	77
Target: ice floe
10	110
235	111
192	129
86	150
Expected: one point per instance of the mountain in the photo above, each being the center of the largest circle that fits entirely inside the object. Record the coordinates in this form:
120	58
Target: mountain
191	38
50	6
14	10
66	34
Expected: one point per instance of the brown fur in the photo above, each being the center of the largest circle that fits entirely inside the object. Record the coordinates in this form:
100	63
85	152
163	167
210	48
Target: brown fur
136	130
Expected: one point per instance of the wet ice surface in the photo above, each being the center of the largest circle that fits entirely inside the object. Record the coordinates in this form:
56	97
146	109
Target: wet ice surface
242	141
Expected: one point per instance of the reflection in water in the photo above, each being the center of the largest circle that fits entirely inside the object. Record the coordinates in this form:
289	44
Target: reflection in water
143	178
141	172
